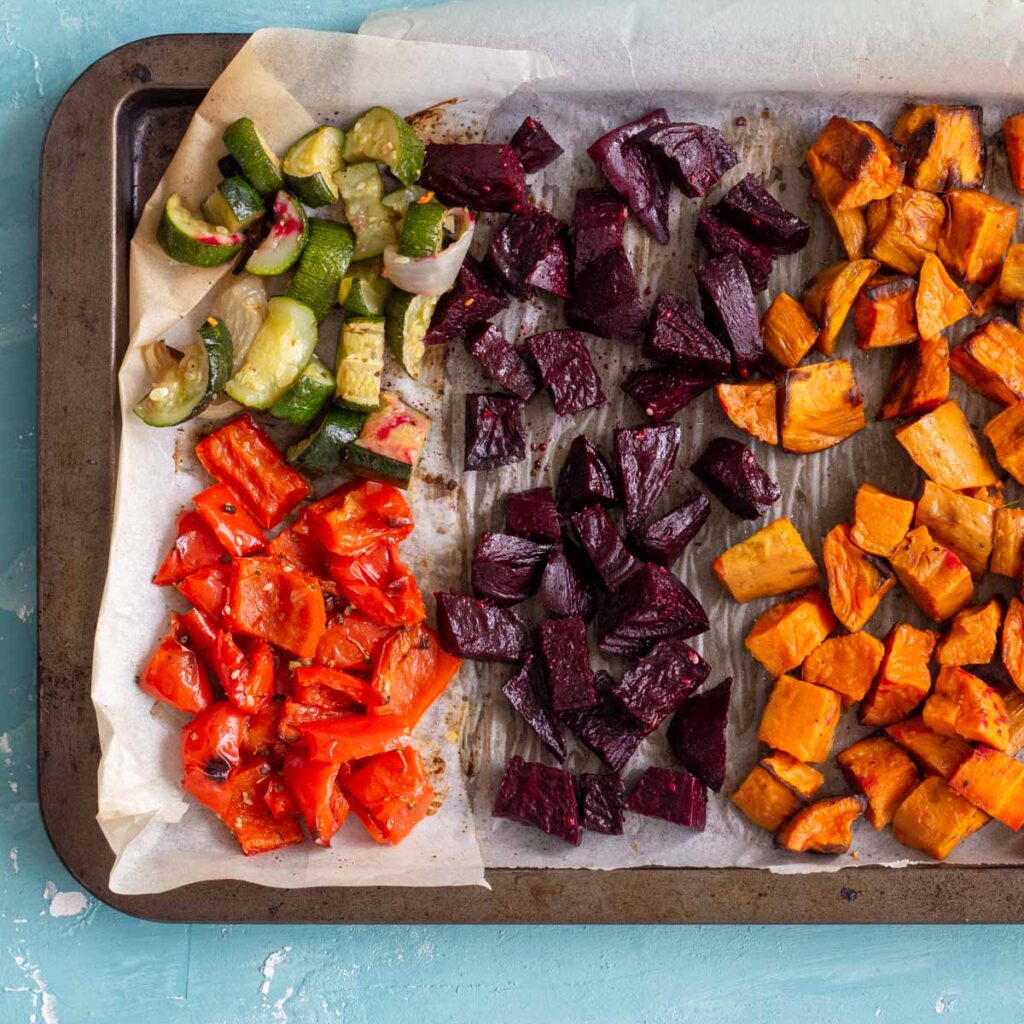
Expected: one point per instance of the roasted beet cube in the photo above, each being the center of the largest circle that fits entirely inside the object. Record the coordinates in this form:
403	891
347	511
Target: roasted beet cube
697	734
474	629
553	271
635	172
730	310
733	476
564	589
660	681
501	362
662	392
482	176
613	562
525	240
677	334
606	299
536	794
534	146
670	794
563	646
720	239
506	569
652	605
750	208
585	478
598	223
473	299
495	433
645	457
527	692
533	514
605	729
567	371
602	801
696	156
664	540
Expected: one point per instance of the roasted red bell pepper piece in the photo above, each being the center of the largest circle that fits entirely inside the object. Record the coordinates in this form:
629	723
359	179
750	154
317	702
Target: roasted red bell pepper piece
390	794
260	737
210	747
314	784
248	814
358	516
347	739
379	585
195	547
411	672
175	673
236	530
327	687
243	456
297	545
295	716
278	798
207	589
352	641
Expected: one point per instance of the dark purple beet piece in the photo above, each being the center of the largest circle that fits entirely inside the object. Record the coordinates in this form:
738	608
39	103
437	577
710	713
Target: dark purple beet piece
539	795
730	310
533	514
635	173
750	208
696	156
697	734
482	176
664	540
598	222
552	272
720	239
564	591
645	457
506	569
602	801
479	631
606	299
662	392
660	681
495	434
501	362
563	646
670	794
534	146
585	478
521	243
528	694
604	729
652	605
613	562
677	334
567	371
733	476
473	299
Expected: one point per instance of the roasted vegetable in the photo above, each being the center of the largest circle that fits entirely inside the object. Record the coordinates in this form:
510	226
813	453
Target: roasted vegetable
939	303
566	370
733	475
850	226
973	636
1011	650
750	208
824	827
935	578
721	239
903	679
846	664
991	360
964	705
942	443
664	540
662	392
599	219
645	458
1013	701
880	520
527	692
480	176
936	754
943	146
660	682
962	524
533	514
602	802
935	819
698	733
477	630
788	332
1013	139
853	163
904	227
506	569
785	634
1005	433
830	295
994	783
605	728
919	381
696	156
585	478
883	313
539	795
857	582
565	590
474	298
975	234
495	434
529	245
770	562
676	334
606	299
1009	286
672	795
611	560
1008	542
820	405
765	800
992	494
563	648
751	407
882	772
730	310
801	778
534	146
500	361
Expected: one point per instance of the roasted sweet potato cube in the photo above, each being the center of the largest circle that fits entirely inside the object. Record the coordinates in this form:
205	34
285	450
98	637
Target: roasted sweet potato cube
904	228
800	718
1005	432
880	520
804	780
788	332
975	234
992	494
824	827
773	561
936	754
1011	648
883	772
857	581
987	299
903	679
962	524
819	406
1013	700
994	783
1009	285
850	226
934	576
1013	139
973	636
943	146
964	705
942	443
751	407
846	664
919	381
991	360
830	295
765	800
935	820
853	163
1007	542
883	313
939	302
785	634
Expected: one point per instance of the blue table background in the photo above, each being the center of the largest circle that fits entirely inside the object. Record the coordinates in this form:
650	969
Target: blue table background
65	959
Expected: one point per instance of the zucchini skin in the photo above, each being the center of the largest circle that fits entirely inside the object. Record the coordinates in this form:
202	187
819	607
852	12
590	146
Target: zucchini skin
307	396
259	165
323	450
322	265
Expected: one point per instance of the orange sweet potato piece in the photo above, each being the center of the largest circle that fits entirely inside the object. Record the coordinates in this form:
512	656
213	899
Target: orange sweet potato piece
880	520
992	494
936	820
824	827
785	634
773	561
994	783
934	576
820	405
939	303
943	146
830	295
1011	650
904	228
850	226
975	234
973	636
846	664
857	582
1007	542
1013	138
751	407
1009	285
991	360
1013	700
903	679
964	705
788	332
942	443
883	313
962	524
804	780
919	380
882	772
800	718
936	754
852	163
1005	432
765	800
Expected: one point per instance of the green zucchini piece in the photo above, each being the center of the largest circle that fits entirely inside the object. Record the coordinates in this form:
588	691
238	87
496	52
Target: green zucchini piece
322	265
360	362
234	204
324	449
401	198
364	290
260	164
189	239
278	354
381	135
408	319
311	163
422	229
374	224
307	396
284	243
391	442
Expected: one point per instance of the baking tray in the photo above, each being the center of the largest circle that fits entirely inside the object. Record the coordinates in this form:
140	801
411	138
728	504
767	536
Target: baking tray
108	143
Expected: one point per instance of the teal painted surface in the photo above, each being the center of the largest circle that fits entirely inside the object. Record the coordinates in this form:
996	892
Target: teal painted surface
65	959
